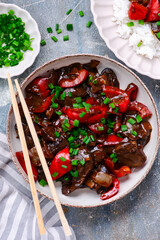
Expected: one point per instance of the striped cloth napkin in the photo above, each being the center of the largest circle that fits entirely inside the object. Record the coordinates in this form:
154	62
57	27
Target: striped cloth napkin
17	214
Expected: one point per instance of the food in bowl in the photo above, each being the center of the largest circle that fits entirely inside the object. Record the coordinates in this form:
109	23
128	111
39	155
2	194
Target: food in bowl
139	21
91	131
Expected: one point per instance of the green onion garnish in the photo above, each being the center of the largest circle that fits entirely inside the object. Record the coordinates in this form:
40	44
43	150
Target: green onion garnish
36	119
64	166
69	11
130	24
89	24
82	114
141	22
59	113
69	94
158	34
134	133
11	12
116	109
138	118
112	105
158	23
71	150
49	30
66	178
62	159
100	128
54	39
114	160
57	27
76	123
74	174
75	105
65	38
82	162
103	120
103	94
59	31
159	14
119	135
63	95
124	128
55	174
106	100
54	105
50	85
139	44
69	27
94	81
92	138
57	134
43	183
109	131
71	139
75	151
131	121
78	99
43	42
74	162
113	155
90	79
81	13
85	139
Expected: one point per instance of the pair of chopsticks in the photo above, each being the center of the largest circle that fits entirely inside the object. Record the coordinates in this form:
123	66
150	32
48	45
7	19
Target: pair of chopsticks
41	157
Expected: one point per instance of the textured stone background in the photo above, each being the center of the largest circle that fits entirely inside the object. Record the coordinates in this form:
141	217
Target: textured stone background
136	216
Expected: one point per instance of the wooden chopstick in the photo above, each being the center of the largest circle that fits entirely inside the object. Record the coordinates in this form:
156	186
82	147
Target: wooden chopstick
63	219
26	158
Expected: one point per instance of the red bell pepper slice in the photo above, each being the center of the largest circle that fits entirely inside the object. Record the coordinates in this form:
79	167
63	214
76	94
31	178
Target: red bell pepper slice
73	113
46	103
59	166
122	103
42	83
132	91
141	108
124	170
99	112
113	191
95	128
137	11
111	140
153	10
92	101
20	158
45	94
81	77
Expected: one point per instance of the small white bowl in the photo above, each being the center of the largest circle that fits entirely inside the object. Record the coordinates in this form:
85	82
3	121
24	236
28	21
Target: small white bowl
31	28
86	197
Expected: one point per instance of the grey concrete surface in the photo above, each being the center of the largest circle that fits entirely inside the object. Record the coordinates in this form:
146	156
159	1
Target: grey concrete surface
136	216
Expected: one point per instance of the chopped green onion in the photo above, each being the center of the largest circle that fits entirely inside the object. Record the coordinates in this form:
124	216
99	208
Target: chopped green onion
109	131
94	81
92	138
43	42
74	162
55	105
75	105
74	174
90	79
62	159
103	94
43	183
158	23
113	155
71	150
82	162
78	99
114	160
65	38
87	106
141	22
57	27
59	113
159	14
124	128
50	86
112	105
103	120
83	133
116	110
76	123
36	119
87	141
100	128
134	133
66	178
11	12
54	39
139	44
57	134
55	174
130	24
59	31
49	30
82	114
63	95
81	13
75	152
106	100
69	11
138	118
158	34
69	27
131	121
69	94
64	166
119	135
89	24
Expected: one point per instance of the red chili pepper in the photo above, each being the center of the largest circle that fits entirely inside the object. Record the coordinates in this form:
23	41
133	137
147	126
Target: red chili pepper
42	83
44	106
153	10
94	116
61	164
111	140
122	103
81	76
95	128
113	191
92	101
45	94
137	11
132	91
124	170
20	158
141	108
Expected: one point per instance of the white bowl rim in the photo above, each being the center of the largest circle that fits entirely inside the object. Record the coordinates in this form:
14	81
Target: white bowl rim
143	85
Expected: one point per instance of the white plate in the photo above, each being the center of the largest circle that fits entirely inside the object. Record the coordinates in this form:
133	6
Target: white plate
103	13
31	28
87	197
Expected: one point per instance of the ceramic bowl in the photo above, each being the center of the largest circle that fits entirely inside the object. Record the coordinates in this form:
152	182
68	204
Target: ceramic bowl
87	197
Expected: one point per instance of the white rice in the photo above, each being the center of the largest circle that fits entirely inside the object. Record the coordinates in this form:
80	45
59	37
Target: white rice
150	46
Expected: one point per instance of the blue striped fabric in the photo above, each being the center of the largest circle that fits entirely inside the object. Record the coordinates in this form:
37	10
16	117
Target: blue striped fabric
17	214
